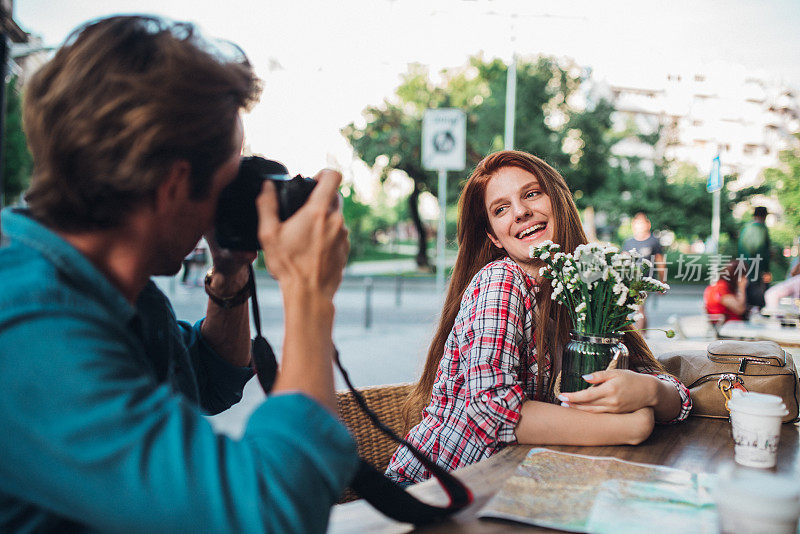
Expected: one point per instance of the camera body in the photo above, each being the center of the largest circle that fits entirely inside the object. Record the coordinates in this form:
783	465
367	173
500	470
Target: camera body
236	225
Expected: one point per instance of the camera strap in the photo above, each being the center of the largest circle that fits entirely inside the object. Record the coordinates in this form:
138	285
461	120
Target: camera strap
261	351
382	493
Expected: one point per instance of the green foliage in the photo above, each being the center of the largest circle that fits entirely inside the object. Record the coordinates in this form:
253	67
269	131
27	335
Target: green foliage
677	199
355	214
364	222
589	168
577	142
391	135
18	163
785	182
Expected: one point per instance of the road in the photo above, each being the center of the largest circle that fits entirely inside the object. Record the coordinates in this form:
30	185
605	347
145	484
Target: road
402	321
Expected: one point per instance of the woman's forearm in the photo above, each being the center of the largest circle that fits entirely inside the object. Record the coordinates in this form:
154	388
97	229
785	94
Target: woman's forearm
542	423
667	403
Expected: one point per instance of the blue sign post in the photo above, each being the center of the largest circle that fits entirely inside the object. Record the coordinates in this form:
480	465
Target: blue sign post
714	186
714	182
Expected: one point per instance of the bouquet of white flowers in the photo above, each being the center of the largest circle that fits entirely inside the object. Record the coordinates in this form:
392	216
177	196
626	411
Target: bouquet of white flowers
600	286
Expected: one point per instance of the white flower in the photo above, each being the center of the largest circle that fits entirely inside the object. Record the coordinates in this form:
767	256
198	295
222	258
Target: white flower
620	288
591	270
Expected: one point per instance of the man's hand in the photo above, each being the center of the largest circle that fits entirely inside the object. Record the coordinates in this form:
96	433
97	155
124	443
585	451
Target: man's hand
615	391
306	253
227	331
310	247
230	267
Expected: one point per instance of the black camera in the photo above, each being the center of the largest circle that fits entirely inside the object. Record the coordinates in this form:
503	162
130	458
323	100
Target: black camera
236	226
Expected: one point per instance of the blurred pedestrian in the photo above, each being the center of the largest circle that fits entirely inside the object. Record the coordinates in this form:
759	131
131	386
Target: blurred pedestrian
724	300
788	288
648	245
754	246
195	264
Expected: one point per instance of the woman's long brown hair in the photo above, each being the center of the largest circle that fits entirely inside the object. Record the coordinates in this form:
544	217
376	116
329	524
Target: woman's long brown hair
475	250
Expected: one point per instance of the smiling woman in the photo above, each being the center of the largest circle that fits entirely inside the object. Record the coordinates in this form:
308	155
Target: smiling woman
519	214
488	378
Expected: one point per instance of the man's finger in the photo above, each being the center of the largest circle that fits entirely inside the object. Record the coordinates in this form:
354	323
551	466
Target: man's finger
267	207
327	186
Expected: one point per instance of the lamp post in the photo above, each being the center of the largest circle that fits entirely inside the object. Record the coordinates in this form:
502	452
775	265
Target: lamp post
511	92
511	73
714	186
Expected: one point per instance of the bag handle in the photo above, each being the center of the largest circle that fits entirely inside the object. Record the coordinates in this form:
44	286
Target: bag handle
382	493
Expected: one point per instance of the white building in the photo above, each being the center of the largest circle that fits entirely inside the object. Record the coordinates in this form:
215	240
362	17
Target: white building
717	108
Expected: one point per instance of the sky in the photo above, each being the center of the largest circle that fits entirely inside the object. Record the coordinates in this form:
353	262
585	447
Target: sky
323	62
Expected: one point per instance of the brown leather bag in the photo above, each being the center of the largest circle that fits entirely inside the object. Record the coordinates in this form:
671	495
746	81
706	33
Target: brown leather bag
760	366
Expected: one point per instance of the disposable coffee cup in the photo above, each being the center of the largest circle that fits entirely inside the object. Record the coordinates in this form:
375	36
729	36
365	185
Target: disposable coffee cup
756	502
756	426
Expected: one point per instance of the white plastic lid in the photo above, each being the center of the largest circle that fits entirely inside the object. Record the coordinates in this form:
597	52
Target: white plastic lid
757	403
760	494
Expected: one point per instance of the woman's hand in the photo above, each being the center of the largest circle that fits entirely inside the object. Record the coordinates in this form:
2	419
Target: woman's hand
615	391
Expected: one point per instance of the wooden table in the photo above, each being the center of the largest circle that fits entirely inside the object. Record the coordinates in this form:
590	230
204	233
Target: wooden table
785	336
697	445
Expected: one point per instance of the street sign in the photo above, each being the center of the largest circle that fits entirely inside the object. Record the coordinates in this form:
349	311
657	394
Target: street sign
444	140
715	177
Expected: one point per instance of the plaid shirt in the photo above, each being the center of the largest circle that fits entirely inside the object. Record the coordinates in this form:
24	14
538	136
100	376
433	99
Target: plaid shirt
487	371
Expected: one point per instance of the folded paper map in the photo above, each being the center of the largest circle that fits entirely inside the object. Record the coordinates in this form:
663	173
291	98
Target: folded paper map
596	494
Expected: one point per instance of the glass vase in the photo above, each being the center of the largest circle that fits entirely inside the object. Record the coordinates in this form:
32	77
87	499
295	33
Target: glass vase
587	353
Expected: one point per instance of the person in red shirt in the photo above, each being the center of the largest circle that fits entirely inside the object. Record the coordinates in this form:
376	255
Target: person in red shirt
488	378
726	299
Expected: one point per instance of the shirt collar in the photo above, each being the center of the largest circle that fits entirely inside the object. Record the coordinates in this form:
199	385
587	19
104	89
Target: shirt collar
20	227
530	283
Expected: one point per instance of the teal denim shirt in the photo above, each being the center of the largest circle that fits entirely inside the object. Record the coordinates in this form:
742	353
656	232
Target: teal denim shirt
100	412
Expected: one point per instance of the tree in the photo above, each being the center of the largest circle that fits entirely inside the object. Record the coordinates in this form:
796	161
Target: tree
365	222
17	164
588	141
674	196
785	182
577	140
391	135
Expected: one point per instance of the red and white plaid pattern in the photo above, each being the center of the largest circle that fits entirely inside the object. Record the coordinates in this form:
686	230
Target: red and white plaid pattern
488	370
